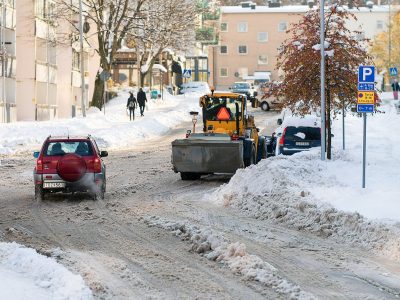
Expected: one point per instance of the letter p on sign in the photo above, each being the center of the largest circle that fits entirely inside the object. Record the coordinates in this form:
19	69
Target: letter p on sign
366	74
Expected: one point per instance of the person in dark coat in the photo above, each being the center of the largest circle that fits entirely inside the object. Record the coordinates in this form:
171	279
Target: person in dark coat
396	89
141	98
131	105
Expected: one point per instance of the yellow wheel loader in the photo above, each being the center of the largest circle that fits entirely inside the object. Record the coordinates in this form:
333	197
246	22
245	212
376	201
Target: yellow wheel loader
229	140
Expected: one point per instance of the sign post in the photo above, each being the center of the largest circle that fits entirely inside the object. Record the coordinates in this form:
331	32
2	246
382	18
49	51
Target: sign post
365	104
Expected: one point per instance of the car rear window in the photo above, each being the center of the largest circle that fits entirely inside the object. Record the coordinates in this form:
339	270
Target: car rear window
302	133
82	148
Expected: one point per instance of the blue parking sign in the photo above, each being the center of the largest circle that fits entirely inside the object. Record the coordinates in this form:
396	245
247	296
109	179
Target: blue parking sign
366	74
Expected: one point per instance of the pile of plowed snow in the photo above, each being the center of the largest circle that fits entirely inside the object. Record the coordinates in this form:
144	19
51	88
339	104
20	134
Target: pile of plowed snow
326	197
25	274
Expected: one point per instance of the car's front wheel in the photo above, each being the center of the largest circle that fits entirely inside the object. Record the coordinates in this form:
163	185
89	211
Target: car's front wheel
39	193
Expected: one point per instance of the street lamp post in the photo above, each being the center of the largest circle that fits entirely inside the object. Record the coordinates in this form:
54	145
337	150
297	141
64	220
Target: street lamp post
322	43
82	61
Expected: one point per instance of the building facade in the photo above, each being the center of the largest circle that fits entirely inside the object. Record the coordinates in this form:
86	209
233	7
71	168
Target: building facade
249	38
41	69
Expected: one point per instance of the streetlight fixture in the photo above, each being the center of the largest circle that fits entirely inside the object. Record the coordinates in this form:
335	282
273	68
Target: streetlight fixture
322	43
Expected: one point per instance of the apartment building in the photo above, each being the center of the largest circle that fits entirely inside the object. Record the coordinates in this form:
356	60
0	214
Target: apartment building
40	63
8	61
250	36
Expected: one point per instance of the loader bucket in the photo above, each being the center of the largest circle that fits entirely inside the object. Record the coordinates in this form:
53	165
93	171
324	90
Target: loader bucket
207	155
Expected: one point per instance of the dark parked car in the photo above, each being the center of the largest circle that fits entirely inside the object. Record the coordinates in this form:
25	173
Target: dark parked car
67	164
296	134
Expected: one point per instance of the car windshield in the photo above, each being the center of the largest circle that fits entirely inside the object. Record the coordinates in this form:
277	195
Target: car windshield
56	148
302	133
216	103
260	81
243	85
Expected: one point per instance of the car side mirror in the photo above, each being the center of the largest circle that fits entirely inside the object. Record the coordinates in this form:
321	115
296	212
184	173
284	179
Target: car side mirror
258	129
103	154
332	135
36	154
230	87
279	122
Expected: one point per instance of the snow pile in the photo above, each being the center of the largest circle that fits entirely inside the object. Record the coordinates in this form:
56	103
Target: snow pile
326	198
214	246
25	274
112	130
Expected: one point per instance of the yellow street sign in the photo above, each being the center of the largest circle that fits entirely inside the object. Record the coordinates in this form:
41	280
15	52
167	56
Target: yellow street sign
365	98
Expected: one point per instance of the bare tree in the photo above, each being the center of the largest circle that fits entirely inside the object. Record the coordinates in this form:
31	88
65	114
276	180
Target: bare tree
165	24
113	20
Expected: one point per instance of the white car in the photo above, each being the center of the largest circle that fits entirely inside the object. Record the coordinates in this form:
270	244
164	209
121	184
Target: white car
200	87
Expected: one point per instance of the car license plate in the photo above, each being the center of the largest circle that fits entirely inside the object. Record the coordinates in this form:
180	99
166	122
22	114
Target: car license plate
302	144
53	185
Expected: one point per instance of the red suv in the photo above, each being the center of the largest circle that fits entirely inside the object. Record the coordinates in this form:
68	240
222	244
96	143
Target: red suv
70	165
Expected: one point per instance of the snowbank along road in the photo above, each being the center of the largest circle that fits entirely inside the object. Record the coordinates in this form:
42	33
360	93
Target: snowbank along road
157	237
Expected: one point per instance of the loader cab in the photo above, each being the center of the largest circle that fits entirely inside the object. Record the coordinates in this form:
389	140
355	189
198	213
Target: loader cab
223	112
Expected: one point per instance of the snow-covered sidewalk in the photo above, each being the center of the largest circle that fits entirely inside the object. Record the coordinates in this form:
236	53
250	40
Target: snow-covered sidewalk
112	131
326	198
25	274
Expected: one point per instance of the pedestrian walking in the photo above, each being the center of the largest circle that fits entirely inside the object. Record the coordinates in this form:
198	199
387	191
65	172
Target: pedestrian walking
131	105
396	89
142	99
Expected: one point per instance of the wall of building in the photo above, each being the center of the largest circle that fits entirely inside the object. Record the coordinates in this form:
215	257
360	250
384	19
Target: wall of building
25	52
267	20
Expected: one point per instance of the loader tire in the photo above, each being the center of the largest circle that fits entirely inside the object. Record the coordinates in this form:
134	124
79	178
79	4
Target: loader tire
190	176
252	159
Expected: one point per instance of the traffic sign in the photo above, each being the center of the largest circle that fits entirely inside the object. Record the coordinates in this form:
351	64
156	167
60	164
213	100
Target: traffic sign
365	108
393	72
365	97
187	73
366	74
104	75
366	87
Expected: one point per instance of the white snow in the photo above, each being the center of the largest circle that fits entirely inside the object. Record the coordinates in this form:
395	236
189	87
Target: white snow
214	246
25	274
326	198
112	131
159	67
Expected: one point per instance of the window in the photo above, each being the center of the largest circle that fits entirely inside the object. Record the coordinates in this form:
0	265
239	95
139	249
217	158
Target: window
223	72
224	27
242	49
262	37
44	9
263	59
242	27
379	24
360	36
282	26
76	61
223	49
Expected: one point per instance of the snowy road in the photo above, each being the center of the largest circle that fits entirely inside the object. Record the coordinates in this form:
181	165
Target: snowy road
122	254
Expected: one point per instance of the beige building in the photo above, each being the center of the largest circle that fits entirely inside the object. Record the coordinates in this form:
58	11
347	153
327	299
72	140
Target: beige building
42	64
249	38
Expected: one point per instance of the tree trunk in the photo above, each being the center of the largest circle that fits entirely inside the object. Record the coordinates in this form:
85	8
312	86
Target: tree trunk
328	123
98	93
142	77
